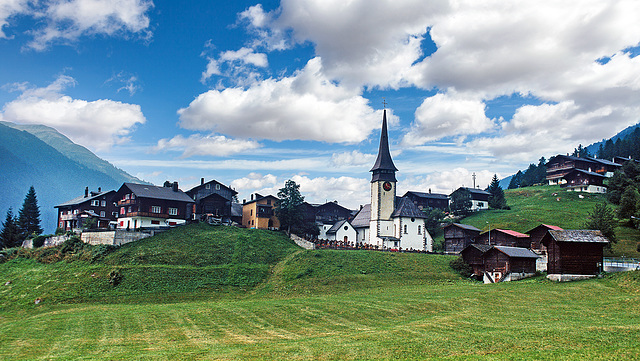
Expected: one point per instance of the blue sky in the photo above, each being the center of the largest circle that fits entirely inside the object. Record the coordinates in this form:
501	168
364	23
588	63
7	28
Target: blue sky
254	93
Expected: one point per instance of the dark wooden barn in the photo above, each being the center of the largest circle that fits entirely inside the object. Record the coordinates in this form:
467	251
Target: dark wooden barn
458	236
574	252
504	263
536	235
472	255
504	237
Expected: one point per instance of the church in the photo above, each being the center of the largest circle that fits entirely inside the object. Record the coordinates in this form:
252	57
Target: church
389	221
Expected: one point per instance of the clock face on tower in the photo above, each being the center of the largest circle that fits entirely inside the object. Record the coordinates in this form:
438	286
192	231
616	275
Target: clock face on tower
386	186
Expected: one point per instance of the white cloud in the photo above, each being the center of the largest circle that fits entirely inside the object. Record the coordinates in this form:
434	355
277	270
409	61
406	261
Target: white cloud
95	124
212	145
447	181
348	191
305	106
238	65
67	20
444	115
353	158
128	82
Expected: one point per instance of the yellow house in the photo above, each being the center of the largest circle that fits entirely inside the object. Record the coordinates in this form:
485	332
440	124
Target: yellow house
259	212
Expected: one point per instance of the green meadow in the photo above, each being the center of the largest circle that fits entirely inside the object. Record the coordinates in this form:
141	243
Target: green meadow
203	292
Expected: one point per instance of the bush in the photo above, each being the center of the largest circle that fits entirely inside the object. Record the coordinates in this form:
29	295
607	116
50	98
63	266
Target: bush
101	250
115	277
461	267
72	245
38	241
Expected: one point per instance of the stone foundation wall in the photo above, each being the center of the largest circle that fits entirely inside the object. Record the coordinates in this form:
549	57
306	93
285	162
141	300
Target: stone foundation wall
115	237
302	242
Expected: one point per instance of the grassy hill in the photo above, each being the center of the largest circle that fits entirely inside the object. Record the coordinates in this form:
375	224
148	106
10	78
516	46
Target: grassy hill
532	206
203	292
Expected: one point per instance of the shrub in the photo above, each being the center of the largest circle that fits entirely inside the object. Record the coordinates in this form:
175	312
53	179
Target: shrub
461	267
101	250
115	277
72	245
38	241
48	255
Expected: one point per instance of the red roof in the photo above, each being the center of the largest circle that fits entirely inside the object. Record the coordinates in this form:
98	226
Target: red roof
512	233
555	228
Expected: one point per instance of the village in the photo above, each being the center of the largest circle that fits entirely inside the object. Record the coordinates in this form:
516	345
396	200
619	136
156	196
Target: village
389	223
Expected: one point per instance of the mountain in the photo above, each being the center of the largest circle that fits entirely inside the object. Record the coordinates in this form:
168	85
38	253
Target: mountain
593	148
58	175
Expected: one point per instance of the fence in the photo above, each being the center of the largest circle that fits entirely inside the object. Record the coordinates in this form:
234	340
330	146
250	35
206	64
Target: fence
620	264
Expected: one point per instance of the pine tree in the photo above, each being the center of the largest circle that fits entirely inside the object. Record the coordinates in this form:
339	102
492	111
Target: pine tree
628	202
515	181
29	215
602	218
496	199
10	235
288	206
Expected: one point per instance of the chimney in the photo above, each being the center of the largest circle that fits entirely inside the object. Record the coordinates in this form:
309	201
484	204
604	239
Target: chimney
86	192
174	186
244	201
99	189
429	190
201	181
251	196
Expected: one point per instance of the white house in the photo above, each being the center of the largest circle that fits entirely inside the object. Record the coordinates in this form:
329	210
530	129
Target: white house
342	231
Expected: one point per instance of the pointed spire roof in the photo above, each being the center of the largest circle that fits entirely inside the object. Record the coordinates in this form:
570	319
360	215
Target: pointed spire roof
383	168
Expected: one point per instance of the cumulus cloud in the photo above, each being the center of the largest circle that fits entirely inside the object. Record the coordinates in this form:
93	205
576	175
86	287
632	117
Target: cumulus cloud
353	158
238	65
446	181
304	106
444	115
67	20
95	124
211	145
127	82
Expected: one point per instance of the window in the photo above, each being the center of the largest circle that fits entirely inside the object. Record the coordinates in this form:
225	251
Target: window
251	212
173	211
133	196
217	187
75	211
419	230
126	196
129	210
103	204
156	209
207	186
268	202
114	214
155	222
102	214
346	228
95	203
123	210
405	229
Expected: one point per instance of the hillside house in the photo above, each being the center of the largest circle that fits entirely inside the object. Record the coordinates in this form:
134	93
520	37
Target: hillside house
95	207
574	254
148	206
578	180
458	236
259	212
479	198
503	264
428	201
212	199
504	237
560	166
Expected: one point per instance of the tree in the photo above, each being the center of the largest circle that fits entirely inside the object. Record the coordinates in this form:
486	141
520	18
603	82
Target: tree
602	218
288	206
433	220
29	215
515	181
628	202
461	202
10	236
496	199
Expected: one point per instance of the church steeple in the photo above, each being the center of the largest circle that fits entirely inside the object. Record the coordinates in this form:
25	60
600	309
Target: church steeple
384	169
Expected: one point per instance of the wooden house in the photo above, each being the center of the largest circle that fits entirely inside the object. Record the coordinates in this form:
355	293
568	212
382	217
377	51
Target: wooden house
212	199
574	253
504	237
472	255
428	201
536	235
503	263
259	212
579	180
95	207
148	206
458	236
561	165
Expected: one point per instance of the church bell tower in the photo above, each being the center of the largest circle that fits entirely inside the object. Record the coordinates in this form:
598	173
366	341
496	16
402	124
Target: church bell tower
383	190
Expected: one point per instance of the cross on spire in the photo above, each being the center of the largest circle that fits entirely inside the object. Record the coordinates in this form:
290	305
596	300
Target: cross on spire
384	103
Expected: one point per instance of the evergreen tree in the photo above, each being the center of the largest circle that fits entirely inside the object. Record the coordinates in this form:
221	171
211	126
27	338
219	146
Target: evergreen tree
433	220
515	181
496	199
10	235
628	202
602	218
288	206
461	202
29	215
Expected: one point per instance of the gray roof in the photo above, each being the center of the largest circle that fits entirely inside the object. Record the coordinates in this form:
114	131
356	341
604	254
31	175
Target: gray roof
464	226
586	172
155	192
337	226
605	161
428	195
516	252
406	208
82	199
480	247
579	236
363	218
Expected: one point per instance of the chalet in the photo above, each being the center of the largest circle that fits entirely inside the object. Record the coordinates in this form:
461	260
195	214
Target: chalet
574	254
342	231
623	160
561	165
503	263
458	236
504	237
579	180
472	255
479	198
148	206
95	206
212	199
259	212
428	201
536	235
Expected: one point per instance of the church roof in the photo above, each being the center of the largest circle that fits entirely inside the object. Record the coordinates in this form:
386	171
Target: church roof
363	218
406	208
383	168
337	226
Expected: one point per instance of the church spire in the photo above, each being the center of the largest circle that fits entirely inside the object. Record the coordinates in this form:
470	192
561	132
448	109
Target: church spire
384	169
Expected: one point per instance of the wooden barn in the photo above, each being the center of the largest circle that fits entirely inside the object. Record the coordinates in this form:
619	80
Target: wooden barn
458	236
536	235
503	263
472	255
504	237
574	254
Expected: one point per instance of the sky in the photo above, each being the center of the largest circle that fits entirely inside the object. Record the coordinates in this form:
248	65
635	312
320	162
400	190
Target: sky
253	93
